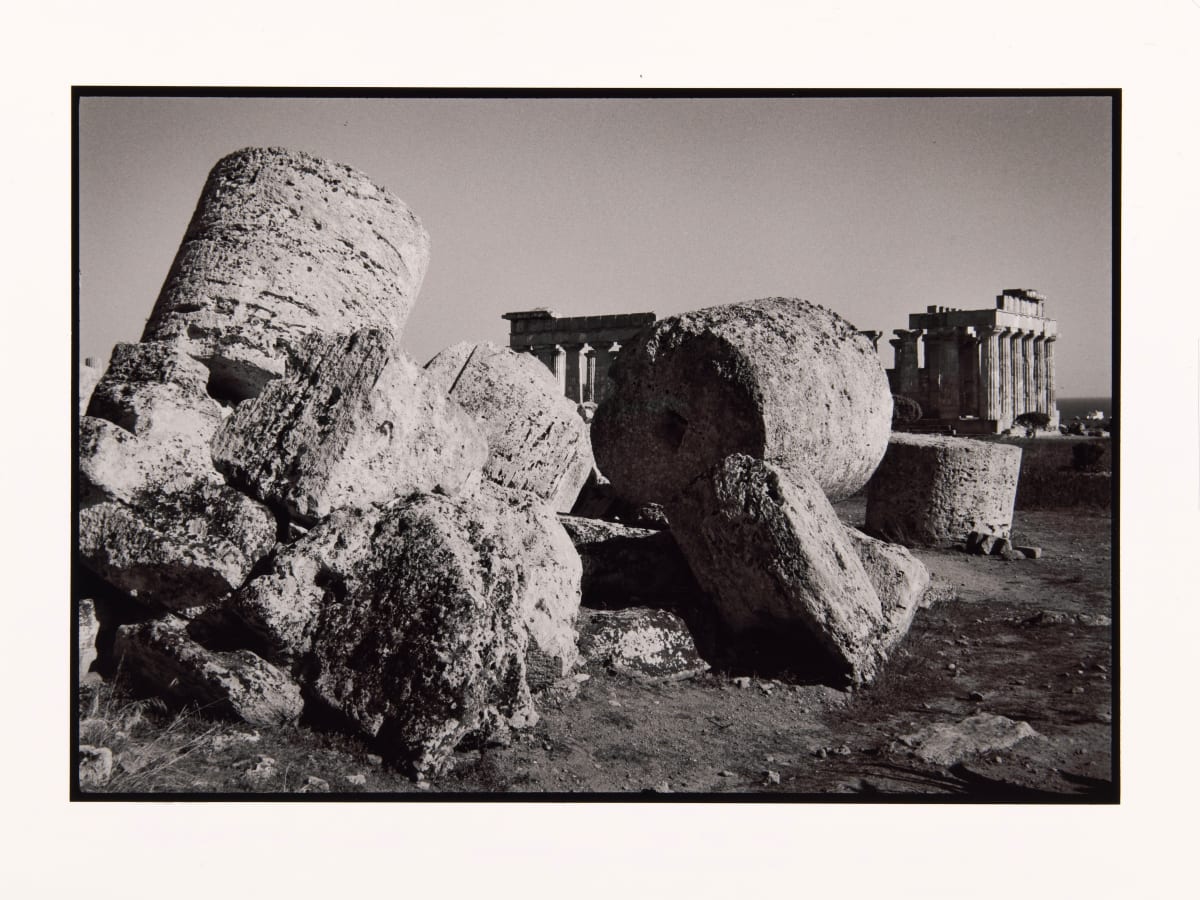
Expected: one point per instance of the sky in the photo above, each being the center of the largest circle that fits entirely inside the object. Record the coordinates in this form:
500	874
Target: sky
873	207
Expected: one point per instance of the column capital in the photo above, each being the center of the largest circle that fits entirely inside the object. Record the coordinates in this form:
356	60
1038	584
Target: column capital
906	334
987	331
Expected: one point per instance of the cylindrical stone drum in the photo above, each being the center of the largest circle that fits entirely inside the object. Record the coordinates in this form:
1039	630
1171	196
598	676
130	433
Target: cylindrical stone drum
283	244
782	380
933	490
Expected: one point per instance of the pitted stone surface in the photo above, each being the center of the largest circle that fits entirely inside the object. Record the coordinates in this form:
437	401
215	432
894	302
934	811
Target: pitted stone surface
947	743
652	643
536	440
353	422
782	380
776	559
934	490
283	244
422	621
900	581
162	657
156	520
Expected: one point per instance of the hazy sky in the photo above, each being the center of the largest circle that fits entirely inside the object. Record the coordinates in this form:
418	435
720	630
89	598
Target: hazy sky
873	207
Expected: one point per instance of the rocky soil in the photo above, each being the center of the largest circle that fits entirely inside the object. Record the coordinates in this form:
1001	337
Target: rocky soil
1021	652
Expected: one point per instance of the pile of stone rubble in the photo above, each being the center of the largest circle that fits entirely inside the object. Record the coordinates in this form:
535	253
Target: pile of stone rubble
281	515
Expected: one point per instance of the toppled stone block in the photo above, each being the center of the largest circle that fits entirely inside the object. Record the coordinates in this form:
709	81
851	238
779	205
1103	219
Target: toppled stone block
353	422
156	520
778	379
1031	552
536	440
945	744
649	643
282	245
625	566
980	543
932	490
900	581
162	658
418	621
777	561
89	629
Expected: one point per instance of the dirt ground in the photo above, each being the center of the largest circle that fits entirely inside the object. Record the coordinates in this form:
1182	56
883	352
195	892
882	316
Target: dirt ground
1027	640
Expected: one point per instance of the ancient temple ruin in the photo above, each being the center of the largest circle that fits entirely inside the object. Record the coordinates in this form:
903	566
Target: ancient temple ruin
982	367
579	350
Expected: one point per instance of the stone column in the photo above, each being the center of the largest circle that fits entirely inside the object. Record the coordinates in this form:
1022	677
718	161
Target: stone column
968	368
1039	372
908	378
587	373
1017	357
1027	353
574	382
560	367
945	385
989	372
1051	399
604	364
1004	377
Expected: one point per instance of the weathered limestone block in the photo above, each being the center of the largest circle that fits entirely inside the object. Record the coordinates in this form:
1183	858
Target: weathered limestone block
900	581
353	422
283	244
162	658
776	559
933	490
154	390
625	566
156	520
782	380
947	743
89	628
420	620
652	643
537	441
95	766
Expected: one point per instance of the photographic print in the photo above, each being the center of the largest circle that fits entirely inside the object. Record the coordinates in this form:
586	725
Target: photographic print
651	446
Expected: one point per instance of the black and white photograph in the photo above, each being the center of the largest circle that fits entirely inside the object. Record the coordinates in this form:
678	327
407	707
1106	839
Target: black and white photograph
640	449
628	446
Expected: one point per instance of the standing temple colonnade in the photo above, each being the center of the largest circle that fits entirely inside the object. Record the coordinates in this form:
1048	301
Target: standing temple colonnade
983	367
579	350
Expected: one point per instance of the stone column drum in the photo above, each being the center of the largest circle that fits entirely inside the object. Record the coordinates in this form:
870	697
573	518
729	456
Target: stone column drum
782	380
283	244
932	490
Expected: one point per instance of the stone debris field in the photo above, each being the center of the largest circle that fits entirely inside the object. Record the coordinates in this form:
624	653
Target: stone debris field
728	575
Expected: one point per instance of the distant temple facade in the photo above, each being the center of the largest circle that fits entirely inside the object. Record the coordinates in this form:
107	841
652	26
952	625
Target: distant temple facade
579	350
983	367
